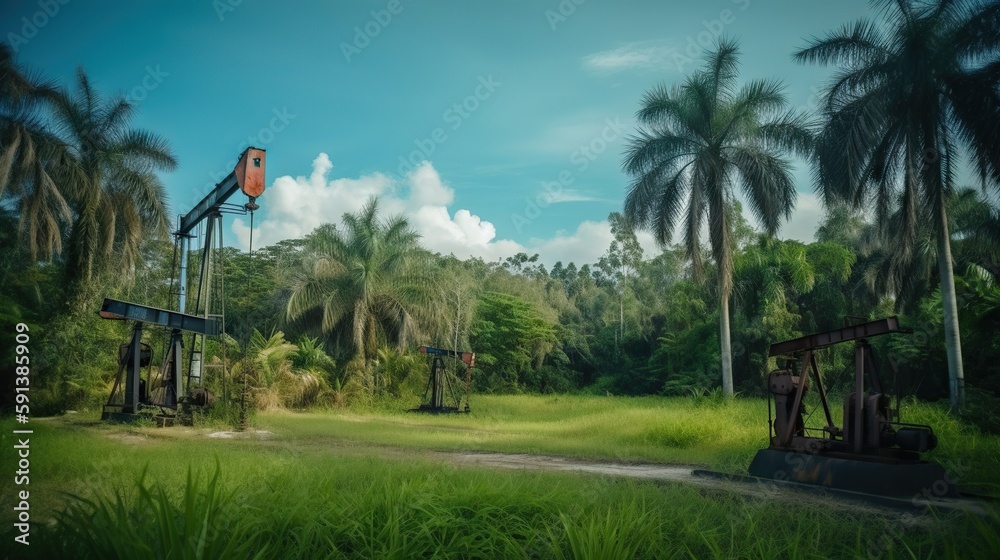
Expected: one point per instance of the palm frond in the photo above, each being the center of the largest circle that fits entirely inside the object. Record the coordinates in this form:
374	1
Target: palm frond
767	182
858	43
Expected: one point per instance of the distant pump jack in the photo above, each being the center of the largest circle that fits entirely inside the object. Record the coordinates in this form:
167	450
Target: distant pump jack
441	383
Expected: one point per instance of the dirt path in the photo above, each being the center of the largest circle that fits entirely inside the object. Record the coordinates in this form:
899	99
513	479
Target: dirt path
685	475
542	462
650	471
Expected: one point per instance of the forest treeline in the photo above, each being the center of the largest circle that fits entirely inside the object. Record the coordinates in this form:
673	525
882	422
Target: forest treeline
631	323
913	104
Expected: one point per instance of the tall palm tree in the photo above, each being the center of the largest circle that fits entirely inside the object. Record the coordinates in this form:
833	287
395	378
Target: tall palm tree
117	197
701	139
912	92
364	283
29	151
977	245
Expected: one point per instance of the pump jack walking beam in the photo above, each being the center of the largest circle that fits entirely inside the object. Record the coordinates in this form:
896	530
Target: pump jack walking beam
248	176
829	338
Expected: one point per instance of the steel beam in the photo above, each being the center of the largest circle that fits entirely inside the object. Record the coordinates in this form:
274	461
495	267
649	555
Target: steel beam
123	310
468	357
829	338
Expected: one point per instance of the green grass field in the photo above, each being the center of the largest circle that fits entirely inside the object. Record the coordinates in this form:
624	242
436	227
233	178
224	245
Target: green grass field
368	484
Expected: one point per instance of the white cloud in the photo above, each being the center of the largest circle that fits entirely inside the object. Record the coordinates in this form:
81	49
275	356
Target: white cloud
571	195
296	206
646	55
586	245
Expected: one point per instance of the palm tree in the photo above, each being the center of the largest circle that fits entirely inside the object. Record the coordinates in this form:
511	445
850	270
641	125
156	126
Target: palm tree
29	151
364	283
701	139
116	195
882	273
912	92
282	373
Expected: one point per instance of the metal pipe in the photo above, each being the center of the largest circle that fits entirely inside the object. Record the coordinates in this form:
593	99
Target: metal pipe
859	395
786	438
822	391
182	245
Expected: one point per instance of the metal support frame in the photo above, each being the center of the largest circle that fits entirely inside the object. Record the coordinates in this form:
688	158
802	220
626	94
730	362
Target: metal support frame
439	383
857	431
133	367
203	297
248	177
131	364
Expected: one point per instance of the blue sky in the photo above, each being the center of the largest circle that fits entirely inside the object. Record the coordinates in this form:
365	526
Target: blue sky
520	108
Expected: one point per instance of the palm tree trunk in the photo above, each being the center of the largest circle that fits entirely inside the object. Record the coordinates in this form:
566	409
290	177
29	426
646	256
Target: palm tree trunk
952	338
727	355
621	316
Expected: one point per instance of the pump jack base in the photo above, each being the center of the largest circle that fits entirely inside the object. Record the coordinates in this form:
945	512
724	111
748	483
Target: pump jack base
118	417
440	409
890	478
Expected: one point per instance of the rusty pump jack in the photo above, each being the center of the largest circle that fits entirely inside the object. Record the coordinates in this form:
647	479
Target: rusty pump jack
125	404
440	383
871	453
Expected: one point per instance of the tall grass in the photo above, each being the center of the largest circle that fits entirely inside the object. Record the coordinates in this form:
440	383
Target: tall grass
352	484
146	521
722	435
373	508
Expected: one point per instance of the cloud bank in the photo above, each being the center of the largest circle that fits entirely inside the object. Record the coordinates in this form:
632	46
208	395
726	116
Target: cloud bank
295	206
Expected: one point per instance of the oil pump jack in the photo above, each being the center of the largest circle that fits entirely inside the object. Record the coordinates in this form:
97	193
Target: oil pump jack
130	392
440	383
871	452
